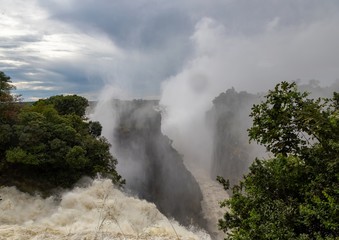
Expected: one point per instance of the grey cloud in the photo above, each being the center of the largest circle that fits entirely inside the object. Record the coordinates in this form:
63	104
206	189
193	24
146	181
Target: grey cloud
27	38
130	23
137	24
154	36
14	42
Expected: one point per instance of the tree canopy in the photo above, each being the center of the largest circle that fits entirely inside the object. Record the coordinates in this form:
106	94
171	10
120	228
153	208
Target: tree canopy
69	104
295	194
8	110
5	88
51	144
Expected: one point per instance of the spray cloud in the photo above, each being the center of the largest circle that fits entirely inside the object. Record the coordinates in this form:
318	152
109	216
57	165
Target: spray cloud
251	63
220	61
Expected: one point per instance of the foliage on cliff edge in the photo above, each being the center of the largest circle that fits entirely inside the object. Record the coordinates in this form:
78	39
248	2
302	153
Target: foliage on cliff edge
295	194
50	144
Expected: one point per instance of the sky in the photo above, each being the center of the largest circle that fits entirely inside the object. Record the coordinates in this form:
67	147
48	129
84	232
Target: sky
145	48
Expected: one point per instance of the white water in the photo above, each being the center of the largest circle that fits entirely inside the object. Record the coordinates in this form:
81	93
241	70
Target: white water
98	211
196	147
213	193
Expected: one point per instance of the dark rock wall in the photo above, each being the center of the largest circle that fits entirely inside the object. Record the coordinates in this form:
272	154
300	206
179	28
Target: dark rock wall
159	173
229	120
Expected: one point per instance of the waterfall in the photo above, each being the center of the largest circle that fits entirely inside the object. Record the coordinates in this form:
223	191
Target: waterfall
96	211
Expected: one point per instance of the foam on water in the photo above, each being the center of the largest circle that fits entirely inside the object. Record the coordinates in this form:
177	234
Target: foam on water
98	211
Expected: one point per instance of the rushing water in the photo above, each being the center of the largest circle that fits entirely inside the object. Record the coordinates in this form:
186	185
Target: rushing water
97	211
213	194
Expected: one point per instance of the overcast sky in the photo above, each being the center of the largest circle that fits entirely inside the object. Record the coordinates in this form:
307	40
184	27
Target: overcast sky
141	47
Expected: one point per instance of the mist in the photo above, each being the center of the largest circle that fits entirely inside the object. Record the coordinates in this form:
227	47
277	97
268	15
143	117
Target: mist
173	84
248	64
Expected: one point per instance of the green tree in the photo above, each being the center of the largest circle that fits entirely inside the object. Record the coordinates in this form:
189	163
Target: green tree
8	110
51	144
69	104
8	113
95	128
56	150
5	88
295	194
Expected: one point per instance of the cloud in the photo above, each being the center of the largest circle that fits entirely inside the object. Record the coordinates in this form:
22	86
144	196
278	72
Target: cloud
135	45
249	63
130	24
255	63
34	85
37	49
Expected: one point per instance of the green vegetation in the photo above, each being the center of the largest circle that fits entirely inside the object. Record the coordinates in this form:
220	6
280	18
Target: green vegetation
295	194
50	144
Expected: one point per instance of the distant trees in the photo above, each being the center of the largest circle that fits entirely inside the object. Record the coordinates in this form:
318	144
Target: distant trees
7	109
51	144
295	194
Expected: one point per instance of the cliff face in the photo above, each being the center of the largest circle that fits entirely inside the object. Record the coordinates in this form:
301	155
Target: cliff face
156	170
229	119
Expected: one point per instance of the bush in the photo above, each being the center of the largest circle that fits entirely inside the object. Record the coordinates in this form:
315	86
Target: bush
294	195
50	144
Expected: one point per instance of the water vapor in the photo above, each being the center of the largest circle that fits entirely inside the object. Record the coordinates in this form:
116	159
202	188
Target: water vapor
220	61
253	63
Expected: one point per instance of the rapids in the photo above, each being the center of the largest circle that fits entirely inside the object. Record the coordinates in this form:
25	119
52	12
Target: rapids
213	194
96	211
